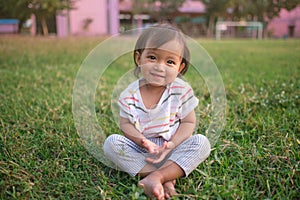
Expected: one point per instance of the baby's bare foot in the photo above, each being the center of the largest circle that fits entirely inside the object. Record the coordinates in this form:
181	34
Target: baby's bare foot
169	189
152	187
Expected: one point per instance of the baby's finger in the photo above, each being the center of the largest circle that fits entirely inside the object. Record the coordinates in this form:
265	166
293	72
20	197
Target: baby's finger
154	160
160	157
165	145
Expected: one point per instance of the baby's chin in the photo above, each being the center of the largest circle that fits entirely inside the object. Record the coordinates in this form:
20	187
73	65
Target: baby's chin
156	84
153	83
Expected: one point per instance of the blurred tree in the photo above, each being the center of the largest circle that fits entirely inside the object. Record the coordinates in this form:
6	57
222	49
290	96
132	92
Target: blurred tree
260	10
47	8
257	10
161	10
214	10
15	9
43	9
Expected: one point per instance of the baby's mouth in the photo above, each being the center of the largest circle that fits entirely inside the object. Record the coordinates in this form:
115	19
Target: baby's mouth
157	75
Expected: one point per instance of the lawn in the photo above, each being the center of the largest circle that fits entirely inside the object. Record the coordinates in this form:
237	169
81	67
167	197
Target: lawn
42	157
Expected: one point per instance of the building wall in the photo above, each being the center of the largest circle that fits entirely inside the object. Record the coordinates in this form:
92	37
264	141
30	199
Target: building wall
94	11
9	26
62	24
279	26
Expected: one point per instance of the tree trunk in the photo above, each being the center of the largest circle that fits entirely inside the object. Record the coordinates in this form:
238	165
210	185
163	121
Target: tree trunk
210	29
44	25
20	25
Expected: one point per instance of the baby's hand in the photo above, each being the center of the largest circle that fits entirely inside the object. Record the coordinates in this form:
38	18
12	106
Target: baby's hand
162	152
150	146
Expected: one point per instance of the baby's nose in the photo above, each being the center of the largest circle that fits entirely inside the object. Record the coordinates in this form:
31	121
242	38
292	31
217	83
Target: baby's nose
159	67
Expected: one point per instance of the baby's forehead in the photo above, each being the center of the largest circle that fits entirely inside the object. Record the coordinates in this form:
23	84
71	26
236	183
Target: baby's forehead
172	46
157	42
159	51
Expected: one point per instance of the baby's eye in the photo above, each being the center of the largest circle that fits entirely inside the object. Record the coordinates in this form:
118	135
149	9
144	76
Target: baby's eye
171	62
152	57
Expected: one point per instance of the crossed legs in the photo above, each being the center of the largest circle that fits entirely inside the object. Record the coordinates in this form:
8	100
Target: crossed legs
160	183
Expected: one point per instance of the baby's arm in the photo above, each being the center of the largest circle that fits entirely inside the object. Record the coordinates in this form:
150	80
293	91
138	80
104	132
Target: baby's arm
184	131
137	137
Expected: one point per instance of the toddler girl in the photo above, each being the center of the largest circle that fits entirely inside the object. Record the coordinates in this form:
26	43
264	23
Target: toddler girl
157	116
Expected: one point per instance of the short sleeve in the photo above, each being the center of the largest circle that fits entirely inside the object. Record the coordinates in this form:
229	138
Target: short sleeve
124	107
123	114
125	110
126	102
188	102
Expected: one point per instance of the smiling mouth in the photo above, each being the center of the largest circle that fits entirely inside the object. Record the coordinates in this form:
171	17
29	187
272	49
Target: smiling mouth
157	75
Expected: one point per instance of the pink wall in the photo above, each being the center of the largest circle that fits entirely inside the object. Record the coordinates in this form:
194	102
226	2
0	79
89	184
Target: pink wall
113	13
95	10
62	26
279	26
8	28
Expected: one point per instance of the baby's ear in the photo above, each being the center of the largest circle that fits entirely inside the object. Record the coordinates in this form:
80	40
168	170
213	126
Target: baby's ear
181	67
137	57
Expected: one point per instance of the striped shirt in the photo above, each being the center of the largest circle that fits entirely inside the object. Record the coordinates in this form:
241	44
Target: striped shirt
176	103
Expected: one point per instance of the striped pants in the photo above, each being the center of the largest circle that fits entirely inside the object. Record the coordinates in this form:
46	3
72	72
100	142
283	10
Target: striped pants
130	157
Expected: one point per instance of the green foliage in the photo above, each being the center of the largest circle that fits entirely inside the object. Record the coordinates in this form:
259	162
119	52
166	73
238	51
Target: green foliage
42	157
159	10
21	9
49	7
17	9
249	10
14	9
262	10
213	10
43	9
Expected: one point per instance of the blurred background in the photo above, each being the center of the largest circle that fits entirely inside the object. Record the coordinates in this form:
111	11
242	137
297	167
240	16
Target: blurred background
197	18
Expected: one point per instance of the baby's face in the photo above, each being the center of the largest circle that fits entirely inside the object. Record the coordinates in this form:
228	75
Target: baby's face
160	66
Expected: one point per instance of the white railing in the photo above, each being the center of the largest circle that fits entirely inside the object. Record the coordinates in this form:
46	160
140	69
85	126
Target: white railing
223	26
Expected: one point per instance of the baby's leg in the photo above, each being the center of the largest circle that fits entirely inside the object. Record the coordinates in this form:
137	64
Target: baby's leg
155	190
125	154
152	187
184	159
158	190
153	183
190	153
169	189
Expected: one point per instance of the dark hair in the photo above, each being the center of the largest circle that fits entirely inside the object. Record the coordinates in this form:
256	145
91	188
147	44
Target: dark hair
157	35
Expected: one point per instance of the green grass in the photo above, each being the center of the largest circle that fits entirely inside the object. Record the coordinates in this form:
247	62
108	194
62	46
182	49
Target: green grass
42	157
